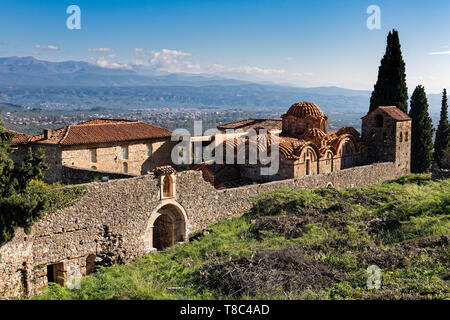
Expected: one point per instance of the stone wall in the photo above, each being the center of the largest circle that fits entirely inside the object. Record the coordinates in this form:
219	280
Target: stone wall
74	175
113	222
143	156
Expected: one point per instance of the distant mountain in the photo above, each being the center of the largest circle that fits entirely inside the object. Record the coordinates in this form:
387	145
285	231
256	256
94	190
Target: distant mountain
77	84
28	71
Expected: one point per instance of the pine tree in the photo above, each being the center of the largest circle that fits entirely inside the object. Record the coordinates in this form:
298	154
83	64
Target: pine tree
390	89
442	141
421	132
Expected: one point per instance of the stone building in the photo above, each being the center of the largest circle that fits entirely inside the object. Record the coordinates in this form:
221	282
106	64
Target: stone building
386	136
118	221
306	147
115	146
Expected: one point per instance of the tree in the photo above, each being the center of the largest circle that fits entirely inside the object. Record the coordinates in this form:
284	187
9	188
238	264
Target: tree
442	141
20	206
421	132
6	164
390	88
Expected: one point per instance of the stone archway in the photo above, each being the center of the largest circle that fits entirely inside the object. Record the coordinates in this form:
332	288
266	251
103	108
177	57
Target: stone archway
167	226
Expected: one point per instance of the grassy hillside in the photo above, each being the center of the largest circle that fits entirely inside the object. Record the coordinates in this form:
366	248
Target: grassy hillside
305	244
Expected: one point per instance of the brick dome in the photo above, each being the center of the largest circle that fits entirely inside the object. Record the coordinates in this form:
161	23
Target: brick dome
305	109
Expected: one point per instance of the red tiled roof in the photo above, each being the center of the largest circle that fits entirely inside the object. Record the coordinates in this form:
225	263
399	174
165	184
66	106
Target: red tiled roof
102	131
19	137
269	124
305	109
394	112
165	169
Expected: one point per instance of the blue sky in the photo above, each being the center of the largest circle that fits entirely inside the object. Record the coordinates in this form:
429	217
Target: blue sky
304	43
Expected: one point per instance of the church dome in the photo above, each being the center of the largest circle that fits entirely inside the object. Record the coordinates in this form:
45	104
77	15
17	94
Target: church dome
305	109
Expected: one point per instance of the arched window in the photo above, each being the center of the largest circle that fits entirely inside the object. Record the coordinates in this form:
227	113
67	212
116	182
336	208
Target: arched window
401	136
406	136
347	152
329	161
125	167
167	186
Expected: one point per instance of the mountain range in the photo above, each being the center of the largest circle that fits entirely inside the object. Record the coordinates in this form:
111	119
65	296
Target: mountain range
33	82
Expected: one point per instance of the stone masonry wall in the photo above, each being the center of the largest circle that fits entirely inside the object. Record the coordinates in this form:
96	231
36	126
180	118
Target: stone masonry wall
112	221
74	175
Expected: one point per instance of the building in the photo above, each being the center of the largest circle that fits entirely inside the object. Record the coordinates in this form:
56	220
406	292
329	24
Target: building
106	145
306	147
386	136
19	139
108	226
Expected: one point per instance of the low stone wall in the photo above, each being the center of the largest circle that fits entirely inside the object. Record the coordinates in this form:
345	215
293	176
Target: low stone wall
75	175
210	205
112	221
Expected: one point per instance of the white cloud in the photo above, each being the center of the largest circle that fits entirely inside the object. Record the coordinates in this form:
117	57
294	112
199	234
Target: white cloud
170	60
178	61
257	72
139	52
439	53
106	63
100	50
49	47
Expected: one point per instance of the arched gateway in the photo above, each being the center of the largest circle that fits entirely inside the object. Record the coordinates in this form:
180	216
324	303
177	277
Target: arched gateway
167	225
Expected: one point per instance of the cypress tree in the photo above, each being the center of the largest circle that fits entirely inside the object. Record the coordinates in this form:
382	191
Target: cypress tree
442	141
390	89
421	132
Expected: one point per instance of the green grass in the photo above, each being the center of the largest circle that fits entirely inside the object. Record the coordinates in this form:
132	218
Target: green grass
270	252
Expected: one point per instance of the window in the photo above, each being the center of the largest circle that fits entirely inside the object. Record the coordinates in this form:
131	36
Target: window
149	150
406	136
167	186
401	136
379	121
93	155
125	167
125	153
94	168
308	167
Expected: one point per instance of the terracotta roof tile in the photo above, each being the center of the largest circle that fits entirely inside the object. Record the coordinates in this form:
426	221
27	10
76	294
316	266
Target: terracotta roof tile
165	169
102	131
269	124
394	112
19	138
305	109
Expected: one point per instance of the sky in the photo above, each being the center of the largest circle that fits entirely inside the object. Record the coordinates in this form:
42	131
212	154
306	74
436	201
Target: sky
302	43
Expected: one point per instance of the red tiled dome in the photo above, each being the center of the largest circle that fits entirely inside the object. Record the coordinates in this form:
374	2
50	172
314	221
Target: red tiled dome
305	109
